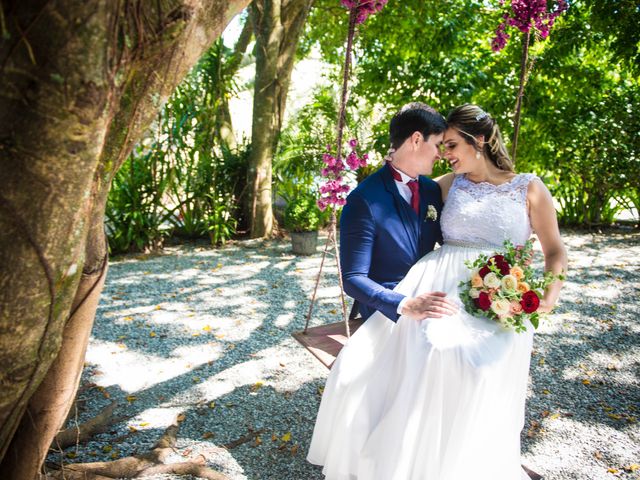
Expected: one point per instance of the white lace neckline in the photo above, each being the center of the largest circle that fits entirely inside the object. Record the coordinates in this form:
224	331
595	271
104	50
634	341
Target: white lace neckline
486	213
509	182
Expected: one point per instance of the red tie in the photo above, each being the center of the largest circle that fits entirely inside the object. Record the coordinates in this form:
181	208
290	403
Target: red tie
413	186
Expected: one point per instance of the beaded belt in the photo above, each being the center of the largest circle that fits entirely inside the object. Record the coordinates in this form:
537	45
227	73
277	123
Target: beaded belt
467	244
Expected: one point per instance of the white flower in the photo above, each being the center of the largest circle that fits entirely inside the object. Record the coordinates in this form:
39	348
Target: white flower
491	280
432	213
474	292
501	306
509	283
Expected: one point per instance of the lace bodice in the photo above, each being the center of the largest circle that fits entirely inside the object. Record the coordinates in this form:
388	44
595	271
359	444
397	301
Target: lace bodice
485	213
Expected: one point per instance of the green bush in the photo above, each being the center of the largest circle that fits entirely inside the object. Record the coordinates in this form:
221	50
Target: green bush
303	215
135	215
183	179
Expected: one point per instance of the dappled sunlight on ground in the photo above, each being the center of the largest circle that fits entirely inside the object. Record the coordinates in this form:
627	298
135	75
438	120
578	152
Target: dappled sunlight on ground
206	333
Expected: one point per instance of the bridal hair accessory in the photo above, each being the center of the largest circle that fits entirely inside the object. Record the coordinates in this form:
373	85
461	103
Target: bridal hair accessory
481	116
387	157
432	214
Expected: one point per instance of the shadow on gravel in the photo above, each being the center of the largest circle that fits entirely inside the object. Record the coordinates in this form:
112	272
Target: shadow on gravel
163	280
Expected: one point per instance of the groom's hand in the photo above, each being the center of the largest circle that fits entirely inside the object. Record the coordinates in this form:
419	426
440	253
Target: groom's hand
430	304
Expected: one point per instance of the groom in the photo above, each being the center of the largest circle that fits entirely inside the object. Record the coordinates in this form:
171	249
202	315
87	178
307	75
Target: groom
392	219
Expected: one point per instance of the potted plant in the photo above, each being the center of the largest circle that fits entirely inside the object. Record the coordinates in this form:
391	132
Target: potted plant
303	219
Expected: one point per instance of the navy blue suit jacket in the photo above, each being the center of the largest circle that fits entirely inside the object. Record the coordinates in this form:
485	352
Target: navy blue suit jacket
381	238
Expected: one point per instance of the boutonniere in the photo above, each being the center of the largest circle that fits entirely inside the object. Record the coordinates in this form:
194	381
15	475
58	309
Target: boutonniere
432	214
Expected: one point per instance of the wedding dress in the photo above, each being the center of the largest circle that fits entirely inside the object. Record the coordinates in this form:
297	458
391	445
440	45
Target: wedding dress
442	398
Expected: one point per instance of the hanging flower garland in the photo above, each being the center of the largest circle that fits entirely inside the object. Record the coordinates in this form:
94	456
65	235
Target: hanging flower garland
333	192
527	16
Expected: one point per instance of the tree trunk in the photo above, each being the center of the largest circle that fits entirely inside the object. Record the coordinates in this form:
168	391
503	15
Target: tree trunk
80	81
225	126
277	25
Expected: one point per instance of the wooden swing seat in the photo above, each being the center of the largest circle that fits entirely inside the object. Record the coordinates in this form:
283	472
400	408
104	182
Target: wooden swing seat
326	341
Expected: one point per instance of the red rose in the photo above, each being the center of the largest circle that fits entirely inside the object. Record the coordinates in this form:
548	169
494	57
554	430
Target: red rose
497	259
483	302
501	263
530	301
483	272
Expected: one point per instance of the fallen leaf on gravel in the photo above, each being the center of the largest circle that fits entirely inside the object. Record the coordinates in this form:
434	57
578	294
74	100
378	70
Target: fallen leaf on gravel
196	379
107	448
144	424
586	382
258	441
286	437
131	398
274	437
256	386
128	319
132	429
212	405
631	468
294	449
206	435
206	328
615	416
333	311
181	418
152	334
612	470
158	307
70	455
598	455
546	392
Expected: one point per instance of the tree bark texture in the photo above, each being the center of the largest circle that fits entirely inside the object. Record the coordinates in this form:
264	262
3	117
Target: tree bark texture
80	81
277	25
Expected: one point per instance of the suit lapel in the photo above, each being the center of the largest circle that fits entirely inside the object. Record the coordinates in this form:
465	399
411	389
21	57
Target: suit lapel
406	214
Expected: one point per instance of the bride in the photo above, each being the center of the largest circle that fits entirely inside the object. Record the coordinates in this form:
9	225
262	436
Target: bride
443	398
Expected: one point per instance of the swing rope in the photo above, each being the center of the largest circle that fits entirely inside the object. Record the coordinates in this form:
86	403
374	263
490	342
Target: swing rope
332	237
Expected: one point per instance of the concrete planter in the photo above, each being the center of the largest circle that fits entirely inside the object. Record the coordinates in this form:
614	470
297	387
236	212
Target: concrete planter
304	243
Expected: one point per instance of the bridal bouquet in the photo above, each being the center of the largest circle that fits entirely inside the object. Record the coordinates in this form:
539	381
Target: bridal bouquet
504	287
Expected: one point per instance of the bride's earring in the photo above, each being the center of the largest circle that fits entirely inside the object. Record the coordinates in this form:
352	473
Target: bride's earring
478	155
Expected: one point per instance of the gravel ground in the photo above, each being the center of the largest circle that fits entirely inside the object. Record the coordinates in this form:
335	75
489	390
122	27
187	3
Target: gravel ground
207	333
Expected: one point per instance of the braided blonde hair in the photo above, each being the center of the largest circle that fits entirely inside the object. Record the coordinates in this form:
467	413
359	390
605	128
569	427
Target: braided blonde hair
471	121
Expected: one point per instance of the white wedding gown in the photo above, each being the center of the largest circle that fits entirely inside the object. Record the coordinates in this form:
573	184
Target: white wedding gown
437	399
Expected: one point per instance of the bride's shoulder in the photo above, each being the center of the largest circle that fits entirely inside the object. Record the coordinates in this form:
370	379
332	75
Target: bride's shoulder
536	189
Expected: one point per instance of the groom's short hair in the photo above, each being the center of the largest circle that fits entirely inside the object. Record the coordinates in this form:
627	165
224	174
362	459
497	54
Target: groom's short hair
415	117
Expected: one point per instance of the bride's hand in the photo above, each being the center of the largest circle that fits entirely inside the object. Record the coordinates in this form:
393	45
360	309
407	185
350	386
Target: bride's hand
429	305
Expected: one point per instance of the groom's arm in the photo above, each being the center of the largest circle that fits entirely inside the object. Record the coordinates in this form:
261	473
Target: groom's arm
357	236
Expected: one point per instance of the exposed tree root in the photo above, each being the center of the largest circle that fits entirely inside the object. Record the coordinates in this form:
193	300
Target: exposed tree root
244	439
136	466
86	430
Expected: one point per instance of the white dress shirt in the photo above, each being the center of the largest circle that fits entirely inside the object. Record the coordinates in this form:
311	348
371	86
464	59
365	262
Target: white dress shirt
405	192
